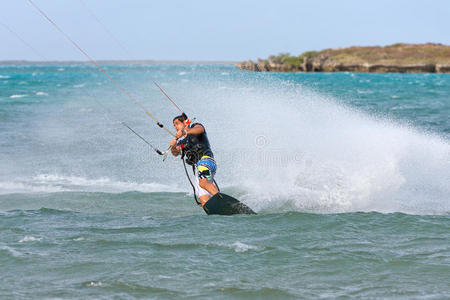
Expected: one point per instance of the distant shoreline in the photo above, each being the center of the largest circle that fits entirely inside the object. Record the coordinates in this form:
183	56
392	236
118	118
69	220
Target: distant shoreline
396	58
115	62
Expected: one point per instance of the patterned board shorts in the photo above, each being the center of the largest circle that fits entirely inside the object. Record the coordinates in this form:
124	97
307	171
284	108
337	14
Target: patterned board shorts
205	168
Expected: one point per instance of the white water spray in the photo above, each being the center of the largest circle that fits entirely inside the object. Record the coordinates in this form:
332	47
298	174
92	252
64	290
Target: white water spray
293	149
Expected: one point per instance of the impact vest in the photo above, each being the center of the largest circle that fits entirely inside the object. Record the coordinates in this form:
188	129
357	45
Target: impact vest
194	146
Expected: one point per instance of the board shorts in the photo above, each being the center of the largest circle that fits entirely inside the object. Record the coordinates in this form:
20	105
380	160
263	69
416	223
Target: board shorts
205	168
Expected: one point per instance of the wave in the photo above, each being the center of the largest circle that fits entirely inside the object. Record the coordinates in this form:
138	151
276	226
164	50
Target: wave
11	251
53	183
17	96
29	238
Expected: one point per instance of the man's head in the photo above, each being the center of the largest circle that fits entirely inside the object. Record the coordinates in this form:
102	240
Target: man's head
179	122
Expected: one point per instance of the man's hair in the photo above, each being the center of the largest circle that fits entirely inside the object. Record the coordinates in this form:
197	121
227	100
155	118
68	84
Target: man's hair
180	118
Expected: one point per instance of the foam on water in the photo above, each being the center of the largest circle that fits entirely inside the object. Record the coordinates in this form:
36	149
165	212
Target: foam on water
242	247
12	187
29	238
17	96
51	183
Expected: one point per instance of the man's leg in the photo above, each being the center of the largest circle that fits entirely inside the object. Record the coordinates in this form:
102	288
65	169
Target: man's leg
209	187
204	173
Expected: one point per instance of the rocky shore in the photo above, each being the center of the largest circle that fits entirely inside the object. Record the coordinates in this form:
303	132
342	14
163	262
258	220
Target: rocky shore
397	58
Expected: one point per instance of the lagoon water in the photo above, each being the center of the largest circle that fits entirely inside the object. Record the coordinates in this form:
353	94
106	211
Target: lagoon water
349	174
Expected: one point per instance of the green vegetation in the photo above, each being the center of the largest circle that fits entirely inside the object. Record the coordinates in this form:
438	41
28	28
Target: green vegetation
289	60
399	57
308	55
286	59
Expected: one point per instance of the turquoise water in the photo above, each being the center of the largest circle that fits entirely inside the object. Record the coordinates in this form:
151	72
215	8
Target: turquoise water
349	174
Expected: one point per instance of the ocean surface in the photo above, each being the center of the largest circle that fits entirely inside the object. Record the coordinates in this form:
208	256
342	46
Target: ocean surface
349	174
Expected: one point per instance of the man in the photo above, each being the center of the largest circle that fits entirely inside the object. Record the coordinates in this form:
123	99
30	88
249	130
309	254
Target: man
193	144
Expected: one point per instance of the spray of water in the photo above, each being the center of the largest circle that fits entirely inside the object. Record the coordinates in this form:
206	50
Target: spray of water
279	147
290	148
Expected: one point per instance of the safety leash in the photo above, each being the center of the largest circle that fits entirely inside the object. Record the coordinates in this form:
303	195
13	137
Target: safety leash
190	181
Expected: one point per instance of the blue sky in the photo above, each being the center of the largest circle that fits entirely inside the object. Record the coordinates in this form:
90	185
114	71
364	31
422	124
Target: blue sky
214	30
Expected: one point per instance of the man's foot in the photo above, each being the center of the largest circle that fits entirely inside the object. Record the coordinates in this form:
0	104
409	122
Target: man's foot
203	199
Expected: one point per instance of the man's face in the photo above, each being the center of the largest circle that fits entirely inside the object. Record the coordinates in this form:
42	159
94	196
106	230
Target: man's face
178	125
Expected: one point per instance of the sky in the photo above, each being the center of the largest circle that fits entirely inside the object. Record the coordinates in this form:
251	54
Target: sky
212	30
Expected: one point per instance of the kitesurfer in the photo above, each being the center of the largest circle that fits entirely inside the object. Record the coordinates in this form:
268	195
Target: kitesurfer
192	143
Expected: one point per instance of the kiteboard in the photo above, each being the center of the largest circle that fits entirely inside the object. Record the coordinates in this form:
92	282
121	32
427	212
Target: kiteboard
223	204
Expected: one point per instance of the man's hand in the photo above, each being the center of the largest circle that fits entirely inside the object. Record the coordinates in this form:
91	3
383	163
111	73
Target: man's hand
174	148
179	134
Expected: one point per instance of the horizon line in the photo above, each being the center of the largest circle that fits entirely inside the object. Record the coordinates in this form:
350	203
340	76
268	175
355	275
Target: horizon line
113	61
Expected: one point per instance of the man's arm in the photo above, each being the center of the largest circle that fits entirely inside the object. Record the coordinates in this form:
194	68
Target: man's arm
197	129
173	148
